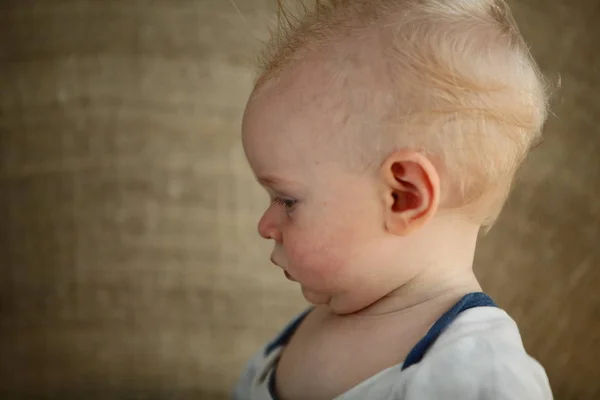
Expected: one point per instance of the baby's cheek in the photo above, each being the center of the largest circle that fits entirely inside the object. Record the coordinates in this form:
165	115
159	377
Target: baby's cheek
319	263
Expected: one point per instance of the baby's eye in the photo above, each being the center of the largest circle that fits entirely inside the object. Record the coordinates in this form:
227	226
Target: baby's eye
287	203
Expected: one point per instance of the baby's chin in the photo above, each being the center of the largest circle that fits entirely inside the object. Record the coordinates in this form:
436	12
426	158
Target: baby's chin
315	298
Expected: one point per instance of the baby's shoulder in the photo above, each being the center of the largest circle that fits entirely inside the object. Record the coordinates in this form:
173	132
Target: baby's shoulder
479	356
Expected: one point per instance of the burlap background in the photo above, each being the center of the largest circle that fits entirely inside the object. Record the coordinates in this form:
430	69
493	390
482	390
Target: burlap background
130	267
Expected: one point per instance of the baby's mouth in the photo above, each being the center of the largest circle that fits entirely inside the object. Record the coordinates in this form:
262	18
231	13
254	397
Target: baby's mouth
287	275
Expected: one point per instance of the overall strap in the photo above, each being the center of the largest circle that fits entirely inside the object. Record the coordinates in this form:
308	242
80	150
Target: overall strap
470	300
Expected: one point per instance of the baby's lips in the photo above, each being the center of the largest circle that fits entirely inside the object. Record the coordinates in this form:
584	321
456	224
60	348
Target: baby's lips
287	275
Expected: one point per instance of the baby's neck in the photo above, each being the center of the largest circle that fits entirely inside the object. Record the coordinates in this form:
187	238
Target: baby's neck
442	254
417	295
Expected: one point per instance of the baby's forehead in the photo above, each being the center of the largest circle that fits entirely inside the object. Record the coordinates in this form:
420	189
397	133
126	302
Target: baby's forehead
305	92
308	81
300	111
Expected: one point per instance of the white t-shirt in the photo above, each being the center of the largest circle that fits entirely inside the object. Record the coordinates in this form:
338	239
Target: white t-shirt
473	352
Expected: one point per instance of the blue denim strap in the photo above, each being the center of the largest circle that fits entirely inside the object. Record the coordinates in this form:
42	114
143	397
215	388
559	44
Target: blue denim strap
470	300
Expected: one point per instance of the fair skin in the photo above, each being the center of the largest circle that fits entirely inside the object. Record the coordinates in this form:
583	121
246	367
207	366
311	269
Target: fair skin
371	249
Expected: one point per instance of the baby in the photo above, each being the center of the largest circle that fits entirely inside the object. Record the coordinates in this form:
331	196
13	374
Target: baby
387	134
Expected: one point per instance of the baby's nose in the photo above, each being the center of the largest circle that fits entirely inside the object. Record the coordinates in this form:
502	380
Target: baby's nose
267	227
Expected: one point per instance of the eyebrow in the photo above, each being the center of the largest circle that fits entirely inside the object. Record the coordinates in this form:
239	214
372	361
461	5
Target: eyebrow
274	182
270	180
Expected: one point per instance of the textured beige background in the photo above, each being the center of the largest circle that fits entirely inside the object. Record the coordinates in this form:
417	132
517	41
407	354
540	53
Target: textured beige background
129	263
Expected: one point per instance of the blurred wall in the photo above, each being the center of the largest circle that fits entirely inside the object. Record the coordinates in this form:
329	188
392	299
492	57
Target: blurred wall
129	263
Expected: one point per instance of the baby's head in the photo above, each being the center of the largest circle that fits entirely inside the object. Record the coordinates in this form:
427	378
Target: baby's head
380	129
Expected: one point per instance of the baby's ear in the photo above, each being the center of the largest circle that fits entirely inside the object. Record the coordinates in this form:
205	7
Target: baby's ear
411	191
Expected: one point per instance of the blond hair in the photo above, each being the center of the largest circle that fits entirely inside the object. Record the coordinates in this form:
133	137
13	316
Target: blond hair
451	78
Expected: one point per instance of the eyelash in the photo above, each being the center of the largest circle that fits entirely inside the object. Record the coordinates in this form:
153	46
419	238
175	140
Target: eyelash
287	204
